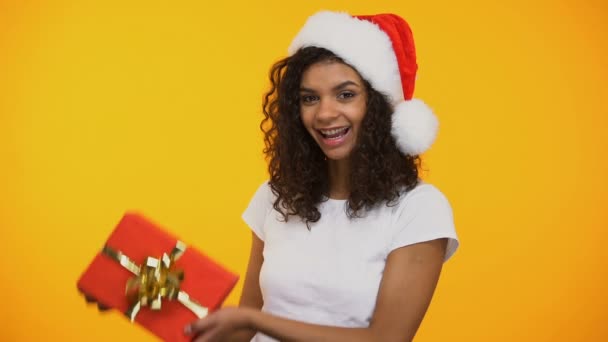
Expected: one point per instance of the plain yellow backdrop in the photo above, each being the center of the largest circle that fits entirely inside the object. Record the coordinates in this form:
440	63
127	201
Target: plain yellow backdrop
154	106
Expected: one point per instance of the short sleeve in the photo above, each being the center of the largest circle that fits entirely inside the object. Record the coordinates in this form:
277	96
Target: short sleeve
258	208
424	214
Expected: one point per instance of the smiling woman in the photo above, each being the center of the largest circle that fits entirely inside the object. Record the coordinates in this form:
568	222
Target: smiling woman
154	106
348	241
297	154
333	105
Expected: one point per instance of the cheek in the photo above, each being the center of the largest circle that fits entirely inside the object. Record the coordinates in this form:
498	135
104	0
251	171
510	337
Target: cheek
361	110
306	118
359	117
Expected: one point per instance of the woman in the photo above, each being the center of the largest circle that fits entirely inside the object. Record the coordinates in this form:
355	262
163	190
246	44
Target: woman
348	243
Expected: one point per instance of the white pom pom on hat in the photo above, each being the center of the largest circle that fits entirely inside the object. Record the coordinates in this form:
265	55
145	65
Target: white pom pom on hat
381	48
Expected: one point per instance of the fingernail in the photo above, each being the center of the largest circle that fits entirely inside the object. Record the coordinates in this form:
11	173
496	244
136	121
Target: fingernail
187	330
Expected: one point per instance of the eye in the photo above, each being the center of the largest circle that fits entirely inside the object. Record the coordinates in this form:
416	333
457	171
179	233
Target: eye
345	95
308	99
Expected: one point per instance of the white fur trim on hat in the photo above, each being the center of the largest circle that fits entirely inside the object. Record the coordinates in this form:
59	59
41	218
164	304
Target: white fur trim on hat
359	43
414	126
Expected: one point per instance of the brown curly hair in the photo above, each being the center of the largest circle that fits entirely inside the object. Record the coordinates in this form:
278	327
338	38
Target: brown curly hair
297	165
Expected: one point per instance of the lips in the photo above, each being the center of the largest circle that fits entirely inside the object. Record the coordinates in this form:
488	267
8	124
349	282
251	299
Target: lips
334	133
334	136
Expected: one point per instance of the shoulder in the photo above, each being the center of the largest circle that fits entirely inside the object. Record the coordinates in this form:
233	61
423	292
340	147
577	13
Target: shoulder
258	208
265	189
263	195
423	196
424	189
423	214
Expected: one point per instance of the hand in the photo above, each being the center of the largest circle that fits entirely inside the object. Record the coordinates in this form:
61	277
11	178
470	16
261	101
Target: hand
219	325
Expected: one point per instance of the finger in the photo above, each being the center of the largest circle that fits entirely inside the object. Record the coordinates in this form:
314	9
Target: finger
207	336
198	327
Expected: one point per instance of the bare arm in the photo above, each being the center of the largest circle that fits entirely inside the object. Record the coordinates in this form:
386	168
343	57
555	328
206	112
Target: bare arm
251	296
407	286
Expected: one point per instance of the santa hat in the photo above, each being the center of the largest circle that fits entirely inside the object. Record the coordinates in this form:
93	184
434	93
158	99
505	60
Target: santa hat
381	48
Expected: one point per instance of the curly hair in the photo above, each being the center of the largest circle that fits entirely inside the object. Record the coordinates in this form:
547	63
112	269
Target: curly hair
297	165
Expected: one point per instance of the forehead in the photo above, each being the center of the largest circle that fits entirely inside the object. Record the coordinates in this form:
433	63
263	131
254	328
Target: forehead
328	74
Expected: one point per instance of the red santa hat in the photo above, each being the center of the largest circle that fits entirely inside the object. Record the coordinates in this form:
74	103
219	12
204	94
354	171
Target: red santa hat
381	48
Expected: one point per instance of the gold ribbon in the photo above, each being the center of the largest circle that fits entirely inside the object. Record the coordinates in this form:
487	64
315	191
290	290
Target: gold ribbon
154	280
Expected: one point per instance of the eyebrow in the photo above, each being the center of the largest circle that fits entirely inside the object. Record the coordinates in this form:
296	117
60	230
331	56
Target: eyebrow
336	88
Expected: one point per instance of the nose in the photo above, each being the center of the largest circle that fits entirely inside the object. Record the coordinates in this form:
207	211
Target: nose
327	111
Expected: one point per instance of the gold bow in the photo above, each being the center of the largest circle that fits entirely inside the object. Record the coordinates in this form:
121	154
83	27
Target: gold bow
154	280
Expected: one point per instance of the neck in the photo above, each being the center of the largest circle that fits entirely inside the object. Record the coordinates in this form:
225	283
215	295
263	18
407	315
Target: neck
339	176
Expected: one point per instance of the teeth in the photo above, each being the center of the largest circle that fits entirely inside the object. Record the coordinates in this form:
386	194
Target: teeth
333	131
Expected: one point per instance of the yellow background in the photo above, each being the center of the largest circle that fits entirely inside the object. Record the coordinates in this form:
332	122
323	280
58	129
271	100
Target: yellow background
154	106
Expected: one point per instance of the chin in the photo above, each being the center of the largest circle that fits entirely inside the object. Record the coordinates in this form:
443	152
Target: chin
337	155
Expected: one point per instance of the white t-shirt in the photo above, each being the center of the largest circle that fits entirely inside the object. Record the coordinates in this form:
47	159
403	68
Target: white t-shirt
331	274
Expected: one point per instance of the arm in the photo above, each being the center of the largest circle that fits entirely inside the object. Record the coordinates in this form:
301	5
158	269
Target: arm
251	297
407	286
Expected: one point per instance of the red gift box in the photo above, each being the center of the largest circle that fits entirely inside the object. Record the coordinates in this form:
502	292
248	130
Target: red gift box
205	281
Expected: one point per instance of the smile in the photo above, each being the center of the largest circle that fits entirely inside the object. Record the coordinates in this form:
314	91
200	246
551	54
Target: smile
335	133
334	137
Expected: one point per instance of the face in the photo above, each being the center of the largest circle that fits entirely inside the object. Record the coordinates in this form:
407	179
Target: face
333	105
